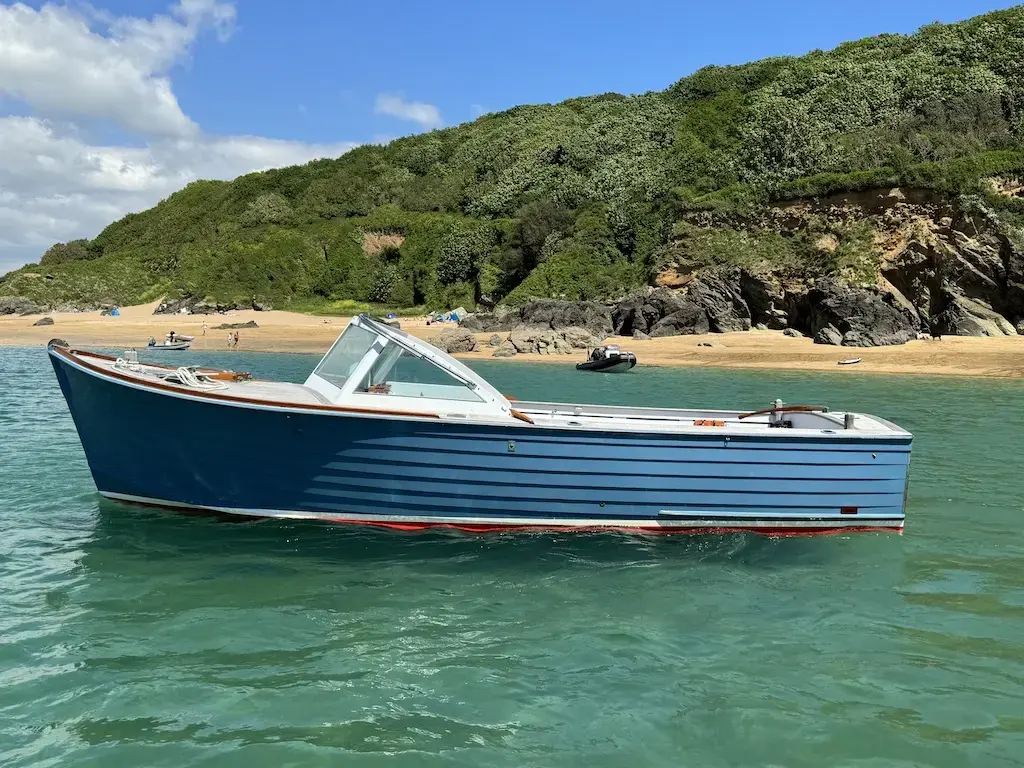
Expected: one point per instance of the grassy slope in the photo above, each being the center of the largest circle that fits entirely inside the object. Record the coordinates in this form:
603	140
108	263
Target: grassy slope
577	199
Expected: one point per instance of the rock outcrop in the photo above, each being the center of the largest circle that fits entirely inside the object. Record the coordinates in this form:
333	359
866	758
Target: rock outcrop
232	326
969	317
505	349
190	305
44	321
454	341
17	305
865	317
542	342
720	295
544	314
828	334
691	319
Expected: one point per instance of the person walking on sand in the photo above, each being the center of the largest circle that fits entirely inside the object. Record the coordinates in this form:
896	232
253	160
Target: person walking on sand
204	327
236	338
230	337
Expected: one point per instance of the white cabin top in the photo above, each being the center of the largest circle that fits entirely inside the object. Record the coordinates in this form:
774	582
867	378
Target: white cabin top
375	365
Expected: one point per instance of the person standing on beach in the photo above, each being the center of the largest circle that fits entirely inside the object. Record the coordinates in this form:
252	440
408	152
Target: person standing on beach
230	338
204	327
236	338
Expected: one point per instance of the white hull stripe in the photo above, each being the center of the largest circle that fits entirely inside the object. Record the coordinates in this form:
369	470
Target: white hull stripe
847	521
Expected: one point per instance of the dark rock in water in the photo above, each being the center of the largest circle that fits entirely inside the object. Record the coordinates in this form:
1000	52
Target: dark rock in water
19	305
230	326
719	295
44	321
454	341
828	335
967	317
866	317
495	340
793	332
640	335
691	319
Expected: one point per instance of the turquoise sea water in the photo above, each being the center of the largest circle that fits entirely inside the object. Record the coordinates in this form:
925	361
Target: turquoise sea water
140	638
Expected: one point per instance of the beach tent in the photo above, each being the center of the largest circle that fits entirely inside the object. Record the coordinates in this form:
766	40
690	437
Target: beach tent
114	312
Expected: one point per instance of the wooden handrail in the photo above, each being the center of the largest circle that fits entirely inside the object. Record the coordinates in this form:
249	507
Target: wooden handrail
521	416
787	408
72	354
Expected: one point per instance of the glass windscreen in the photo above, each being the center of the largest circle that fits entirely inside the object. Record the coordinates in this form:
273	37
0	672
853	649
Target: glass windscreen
344	356
401	373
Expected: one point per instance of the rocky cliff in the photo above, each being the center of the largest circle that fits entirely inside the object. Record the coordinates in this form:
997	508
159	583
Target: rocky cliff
878	267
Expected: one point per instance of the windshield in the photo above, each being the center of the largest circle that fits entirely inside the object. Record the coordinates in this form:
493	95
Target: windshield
345	355
401	372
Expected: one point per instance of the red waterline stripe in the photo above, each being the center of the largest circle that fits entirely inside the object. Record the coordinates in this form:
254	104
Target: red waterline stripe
772	533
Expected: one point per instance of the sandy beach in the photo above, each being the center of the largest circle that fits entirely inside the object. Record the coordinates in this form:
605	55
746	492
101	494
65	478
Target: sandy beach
293	332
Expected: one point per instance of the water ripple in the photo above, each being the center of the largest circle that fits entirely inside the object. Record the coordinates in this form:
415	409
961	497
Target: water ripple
133	637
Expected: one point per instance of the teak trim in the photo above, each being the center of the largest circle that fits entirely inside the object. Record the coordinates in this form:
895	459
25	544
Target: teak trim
71	355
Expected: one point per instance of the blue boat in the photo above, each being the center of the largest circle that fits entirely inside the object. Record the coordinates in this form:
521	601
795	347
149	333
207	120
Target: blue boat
390	431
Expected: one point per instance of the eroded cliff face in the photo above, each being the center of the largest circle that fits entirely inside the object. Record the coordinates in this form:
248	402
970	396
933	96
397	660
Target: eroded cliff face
871	268
935	264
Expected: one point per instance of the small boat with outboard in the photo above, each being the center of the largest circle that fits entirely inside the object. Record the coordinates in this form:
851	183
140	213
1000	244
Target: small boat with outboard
608	359
389	431
168	345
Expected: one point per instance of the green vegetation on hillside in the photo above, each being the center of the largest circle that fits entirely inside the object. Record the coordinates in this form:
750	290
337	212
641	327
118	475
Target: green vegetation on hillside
581	199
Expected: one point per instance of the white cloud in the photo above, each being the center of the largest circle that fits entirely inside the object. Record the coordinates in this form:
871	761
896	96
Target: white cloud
54	186
59	63
65	65
427	115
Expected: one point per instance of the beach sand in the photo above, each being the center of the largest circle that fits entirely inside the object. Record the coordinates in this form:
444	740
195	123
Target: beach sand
293	332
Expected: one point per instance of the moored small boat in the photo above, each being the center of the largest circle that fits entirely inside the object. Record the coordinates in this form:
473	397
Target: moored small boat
167	345
390	431
608	359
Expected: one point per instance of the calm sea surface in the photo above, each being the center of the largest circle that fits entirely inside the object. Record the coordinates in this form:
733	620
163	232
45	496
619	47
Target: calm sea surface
140	638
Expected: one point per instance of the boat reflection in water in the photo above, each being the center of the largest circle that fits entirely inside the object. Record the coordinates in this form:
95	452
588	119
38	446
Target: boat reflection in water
390	431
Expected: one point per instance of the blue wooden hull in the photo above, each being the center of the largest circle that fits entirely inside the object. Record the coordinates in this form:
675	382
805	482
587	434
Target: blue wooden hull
192	452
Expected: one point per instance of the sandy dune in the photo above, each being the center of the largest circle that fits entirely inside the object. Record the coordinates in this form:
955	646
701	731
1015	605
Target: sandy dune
293	332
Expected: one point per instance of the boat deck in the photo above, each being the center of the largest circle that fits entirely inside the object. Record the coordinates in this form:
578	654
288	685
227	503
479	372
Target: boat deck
553	415
699	421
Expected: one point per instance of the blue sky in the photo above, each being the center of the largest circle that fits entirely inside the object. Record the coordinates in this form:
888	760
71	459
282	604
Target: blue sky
311	69
110	106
